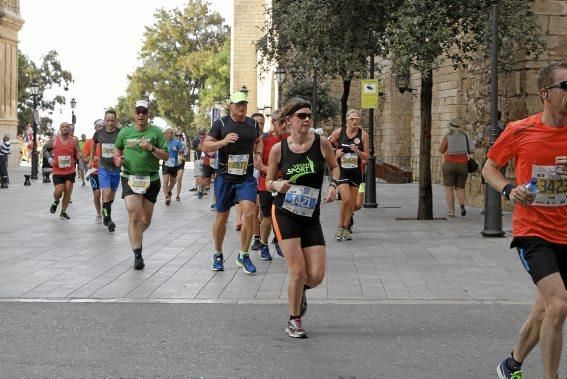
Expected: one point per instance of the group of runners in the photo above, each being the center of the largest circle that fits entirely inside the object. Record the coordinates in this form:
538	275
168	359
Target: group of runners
280	175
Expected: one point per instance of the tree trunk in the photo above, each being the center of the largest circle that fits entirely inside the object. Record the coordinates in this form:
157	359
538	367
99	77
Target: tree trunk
425	206
344	99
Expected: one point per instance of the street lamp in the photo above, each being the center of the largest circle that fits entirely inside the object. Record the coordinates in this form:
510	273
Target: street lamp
73	105
280	77
268	111
244	90
492	202
402	82
35	161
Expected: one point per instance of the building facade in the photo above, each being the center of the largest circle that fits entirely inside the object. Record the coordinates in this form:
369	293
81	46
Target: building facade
10	24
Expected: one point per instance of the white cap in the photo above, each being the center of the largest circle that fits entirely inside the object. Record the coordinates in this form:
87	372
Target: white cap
142	104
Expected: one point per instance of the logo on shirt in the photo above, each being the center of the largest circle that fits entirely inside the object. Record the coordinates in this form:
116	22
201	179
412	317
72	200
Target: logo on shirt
299	169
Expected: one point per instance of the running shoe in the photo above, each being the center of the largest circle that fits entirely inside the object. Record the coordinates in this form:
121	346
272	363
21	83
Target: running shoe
218	262
193	189
505	373
98	219
53	207
295	329
111	227
339	235
138	262
200	194
213	208
167	200
278	249
303	307
63	216
347	234
264	252
246	263
255	244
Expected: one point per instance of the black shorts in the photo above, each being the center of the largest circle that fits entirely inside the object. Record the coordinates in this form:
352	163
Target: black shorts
166	170
93	180
266	201
181	165
207	171
61	179
541	258
151	193
352	178
308	229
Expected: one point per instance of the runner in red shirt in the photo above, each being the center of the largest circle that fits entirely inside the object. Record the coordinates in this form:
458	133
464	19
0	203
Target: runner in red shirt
539	146
274	136
63	152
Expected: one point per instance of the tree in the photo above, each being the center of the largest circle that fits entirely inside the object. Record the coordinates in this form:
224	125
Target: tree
422	33
174	56
324	38
327	105
50	76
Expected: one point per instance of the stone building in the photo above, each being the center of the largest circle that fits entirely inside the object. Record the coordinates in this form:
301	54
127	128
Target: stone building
10	24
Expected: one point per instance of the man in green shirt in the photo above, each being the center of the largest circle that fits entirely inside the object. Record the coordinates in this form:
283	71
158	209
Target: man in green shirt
138	150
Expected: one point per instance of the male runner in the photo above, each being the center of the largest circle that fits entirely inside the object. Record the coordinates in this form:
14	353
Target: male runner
138	150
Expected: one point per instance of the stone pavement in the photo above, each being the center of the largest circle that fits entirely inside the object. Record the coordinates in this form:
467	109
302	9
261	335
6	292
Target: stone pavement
43	258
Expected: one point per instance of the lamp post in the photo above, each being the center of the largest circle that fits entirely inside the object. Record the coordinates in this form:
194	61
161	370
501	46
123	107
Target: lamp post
370	193
34	160
73	105
280	77
492	203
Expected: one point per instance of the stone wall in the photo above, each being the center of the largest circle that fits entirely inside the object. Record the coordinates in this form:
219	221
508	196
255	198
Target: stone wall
10	24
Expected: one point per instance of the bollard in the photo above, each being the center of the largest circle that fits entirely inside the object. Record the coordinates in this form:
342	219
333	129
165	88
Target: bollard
27	182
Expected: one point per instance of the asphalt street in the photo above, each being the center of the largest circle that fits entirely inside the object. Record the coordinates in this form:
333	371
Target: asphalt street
222	340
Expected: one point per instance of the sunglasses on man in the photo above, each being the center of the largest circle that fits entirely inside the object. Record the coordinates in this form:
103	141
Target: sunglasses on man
141	111
562	85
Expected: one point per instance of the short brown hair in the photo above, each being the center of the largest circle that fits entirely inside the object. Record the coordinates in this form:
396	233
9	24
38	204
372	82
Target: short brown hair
545	75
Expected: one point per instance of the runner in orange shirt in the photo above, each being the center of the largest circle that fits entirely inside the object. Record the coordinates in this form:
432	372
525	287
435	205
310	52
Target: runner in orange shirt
539	146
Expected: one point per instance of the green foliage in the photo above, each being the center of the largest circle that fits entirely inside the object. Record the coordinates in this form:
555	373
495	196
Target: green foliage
175	55
327	106
422	33
50	76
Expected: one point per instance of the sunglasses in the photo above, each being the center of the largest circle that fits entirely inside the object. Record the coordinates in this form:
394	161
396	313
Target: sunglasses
141	111
562	85
303	116
178	135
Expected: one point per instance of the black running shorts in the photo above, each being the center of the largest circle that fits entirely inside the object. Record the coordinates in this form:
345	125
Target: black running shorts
61	179
266	201
541	258
287	226
151	193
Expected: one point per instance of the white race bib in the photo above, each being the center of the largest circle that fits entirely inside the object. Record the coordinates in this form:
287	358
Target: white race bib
64	161
552	187
170	162
301	200
107	150
237	164
139	183
349	160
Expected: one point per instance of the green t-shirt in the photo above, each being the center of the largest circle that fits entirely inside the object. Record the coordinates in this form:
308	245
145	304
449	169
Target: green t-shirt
82	145
138	161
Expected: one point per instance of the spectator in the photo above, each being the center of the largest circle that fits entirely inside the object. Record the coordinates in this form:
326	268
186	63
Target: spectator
4	152
456	147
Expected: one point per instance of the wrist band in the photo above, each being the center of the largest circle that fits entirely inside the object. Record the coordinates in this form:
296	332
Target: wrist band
334	181
272	188
506	190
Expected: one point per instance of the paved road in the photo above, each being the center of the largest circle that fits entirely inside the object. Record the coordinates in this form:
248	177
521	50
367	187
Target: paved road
223	340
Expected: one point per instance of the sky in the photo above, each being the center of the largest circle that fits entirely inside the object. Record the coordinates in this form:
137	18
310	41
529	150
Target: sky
98	42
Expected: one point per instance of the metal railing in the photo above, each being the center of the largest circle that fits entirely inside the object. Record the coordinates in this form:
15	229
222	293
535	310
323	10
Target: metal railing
405	169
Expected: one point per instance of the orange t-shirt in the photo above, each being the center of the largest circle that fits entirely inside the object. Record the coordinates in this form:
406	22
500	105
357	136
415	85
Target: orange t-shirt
87	152
534	147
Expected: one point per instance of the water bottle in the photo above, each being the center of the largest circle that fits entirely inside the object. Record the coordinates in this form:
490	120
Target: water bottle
531	186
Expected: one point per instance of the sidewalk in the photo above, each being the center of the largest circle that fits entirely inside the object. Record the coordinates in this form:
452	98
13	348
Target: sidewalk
43	258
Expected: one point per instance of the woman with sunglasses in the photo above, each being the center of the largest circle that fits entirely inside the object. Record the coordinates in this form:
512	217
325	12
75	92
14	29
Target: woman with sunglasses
181	154
301	159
